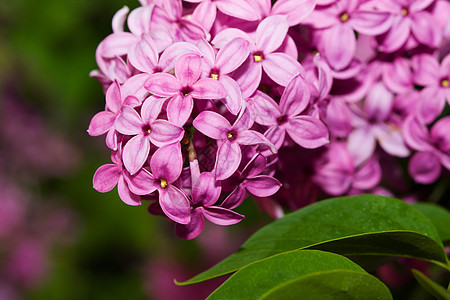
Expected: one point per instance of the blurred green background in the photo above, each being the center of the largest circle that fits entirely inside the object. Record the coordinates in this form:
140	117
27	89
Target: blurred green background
114	251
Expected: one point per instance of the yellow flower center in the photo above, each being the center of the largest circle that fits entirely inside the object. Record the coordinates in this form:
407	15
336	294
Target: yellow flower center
404	11
230	135
149	130
163	183
258	57
214	75
344	17
445	83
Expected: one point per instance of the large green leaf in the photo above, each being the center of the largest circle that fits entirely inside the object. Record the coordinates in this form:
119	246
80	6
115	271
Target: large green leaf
432	287
260	277
439	216
364	224
333	285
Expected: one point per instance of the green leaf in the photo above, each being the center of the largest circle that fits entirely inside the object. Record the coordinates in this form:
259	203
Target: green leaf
364	224
262	276
432	287
333	285
439	216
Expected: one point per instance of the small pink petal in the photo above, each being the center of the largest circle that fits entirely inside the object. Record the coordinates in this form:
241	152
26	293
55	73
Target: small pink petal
232	55
212	124
339	45
426	29
101	123
163	85
142	183
262	185
106	178
221	216
175	204
208	88
281	68
307	132
271	33
128	122
164	133
179	109
194	227
126	195
295	10
227	160
295	97
135	153
233	101
424	167
206	192
119	18
114	97
371	22
251	137
368	176
167	163
240	9
187	68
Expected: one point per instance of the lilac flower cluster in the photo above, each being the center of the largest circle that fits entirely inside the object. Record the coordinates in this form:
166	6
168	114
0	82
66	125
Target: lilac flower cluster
210	101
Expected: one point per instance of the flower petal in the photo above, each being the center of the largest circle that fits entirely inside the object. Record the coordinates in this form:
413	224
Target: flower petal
144	55
281	68
295	97
307	132
208	88
167	163
175	204
206	191
179	109
163	85
227	160
194	227
188	68
424	167
135	153
371	22
262	185
106	178
251	137
128	121
141	183
426	29
295	10
212	124
233	101
240	9
271	32
339	45
221	216
164	133
101	123
126	195
232	55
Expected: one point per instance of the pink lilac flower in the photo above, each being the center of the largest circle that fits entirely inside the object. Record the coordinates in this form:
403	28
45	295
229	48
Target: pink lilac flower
103	122
183	87
411	24
264	55
108	176
205	12
205	193
306	131
165	168
146	129
338	42
229	139
218	66
250	180
374	124
338	174
436	80
295	10
433	148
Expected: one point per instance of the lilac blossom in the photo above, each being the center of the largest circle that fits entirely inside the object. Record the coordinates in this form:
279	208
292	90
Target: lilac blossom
229	139
411	24
306	131
183	87
279	66
338	42
146	129
205	193
218	66
250	180
108	176
435	78
165	168
433	148
373	124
